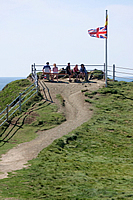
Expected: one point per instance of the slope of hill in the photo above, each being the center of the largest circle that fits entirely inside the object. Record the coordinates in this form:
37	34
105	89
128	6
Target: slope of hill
94	161
76	110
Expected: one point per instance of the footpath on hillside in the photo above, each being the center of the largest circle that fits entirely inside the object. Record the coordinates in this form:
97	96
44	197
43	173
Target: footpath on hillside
76	110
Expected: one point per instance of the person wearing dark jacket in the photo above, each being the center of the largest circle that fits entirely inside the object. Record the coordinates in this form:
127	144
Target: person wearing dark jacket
69	72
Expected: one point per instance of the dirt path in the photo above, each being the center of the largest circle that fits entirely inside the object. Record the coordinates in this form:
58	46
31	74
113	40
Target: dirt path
77	112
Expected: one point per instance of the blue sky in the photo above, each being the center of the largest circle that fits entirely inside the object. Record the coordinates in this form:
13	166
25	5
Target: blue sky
36	31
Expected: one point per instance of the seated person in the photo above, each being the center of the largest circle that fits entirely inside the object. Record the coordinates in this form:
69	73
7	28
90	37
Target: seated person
69	72
83	72
55	71
76	72
47	69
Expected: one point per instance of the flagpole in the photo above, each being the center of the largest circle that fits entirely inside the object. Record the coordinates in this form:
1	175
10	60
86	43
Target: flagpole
106	50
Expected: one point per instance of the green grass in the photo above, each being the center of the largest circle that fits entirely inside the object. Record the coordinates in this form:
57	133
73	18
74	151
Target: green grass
60	98
36	115
11	91
24	127
95	161
98	74
10	96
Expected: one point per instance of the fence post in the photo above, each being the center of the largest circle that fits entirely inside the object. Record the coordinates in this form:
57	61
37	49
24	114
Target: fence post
7	112
37	85
36	80
113	72
20	102
32	72
104	71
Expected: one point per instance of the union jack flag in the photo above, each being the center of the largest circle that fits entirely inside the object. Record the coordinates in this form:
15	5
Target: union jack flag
100	32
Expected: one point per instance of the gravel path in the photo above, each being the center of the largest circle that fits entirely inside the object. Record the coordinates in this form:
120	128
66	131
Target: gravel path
77	112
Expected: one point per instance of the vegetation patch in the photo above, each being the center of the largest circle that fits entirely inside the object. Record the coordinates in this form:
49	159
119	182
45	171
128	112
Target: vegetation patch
24	127
92	162
96	74
61	99
11	91
36	114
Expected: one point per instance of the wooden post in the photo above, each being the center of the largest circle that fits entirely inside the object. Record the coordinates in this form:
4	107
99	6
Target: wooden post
34	69
20	102
113	72
7	112
104	71
32	72
36	81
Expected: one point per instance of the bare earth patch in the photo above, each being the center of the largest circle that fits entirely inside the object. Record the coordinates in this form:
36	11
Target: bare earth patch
77	112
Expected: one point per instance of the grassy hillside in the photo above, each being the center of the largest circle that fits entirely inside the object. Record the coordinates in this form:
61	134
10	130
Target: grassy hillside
95	161
37	114
11	91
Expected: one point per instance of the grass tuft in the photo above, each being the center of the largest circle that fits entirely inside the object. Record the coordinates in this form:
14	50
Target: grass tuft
61	99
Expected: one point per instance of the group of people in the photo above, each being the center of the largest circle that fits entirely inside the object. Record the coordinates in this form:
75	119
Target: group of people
82	73
47	71
76	72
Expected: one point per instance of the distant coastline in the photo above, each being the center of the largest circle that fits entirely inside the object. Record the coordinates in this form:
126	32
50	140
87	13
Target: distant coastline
5	80
127	79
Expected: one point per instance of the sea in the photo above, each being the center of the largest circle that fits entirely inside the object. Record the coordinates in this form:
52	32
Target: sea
5	80
126	79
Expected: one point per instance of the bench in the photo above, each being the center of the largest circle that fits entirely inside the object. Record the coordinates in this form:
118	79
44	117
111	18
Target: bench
59	74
